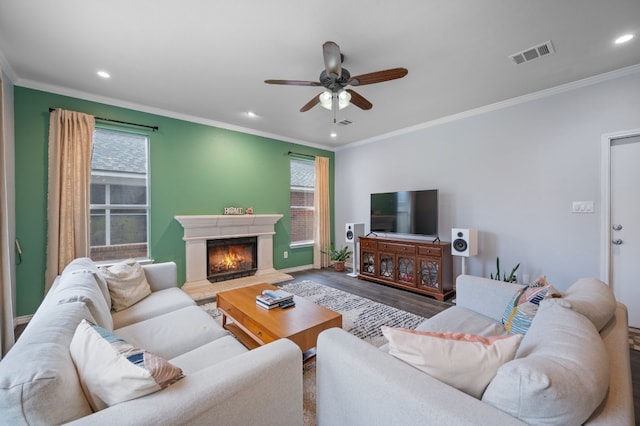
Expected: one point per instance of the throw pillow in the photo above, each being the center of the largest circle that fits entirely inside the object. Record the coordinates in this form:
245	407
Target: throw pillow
127	284
464	361
112	370
523	306
561	371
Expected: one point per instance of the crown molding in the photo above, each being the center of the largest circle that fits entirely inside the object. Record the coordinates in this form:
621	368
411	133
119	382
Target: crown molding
64	91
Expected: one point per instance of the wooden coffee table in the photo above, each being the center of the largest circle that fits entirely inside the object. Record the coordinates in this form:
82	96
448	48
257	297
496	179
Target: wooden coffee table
255	326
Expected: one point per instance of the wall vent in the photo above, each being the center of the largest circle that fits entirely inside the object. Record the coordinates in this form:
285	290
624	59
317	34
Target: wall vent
532	53
344	122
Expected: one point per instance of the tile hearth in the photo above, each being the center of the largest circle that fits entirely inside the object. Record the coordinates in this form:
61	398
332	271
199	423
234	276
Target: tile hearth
204	290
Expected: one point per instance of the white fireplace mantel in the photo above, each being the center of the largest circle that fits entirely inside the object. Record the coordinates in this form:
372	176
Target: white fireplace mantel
200	228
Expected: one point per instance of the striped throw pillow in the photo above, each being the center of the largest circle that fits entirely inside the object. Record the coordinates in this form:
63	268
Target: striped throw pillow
523	306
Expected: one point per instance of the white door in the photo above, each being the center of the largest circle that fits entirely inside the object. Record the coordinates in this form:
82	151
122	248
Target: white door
625	224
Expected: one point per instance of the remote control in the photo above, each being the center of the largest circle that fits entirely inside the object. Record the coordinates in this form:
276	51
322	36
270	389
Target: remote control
287	304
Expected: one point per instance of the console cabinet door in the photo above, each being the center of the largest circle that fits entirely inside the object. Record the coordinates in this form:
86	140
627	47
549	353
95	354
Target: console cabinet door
429	274
386	266
368	262
406	266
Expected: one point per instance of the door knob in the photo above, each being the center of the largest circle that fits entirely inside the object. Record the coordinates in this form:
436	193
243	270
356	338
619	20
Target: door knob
617	227
617	241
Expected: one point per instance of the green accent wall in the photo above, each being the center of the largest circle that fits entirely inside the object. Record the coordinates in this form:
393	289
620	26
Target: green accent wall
194	169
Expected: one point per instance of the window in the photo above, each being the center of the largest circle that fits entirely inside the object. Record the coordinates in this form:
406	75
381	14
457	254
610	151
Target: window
303	181
119	195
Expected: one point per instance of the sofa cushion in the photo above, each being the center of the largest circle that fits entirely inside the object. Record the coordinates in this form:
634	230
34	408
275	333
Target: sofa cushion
112	370
86	265
464	361
593	299
459	319
561	353
38	381
157	303
174	333
127	283
205	356
79	283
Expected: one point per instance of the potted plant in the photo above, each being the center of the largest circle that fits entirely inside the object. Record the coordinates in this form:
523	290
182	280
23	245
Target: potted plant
511	278
338	256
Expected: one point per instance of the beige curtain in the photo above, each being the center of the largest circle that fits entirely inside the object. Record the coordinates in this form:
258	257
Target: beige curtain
70	142
6	245
322	219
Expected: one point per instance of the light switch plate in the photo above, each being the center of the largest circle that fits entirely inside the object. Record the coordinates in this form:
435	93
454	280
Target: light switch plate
582	207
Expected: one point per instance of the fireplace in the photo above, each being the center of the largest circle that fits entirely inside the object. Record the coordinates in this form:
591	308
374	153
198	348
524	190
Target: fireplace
230	258
198	229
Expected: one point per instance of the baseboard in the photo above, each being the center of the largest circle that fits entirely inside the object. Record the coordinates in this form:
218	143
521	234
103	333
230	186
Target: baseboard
24	319
296	269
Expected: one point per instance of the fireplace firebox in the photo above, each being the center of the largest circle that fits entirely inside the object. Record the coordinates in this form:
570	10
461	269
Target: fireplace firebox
230	258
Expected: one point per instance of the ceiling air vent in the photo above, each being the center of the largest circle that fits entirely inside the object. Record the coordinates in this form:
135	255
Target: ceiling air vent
532	53
344	122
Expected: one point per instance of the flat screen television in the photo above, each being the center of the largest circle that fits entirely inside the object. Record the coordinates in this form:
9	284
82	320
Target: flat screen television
405	212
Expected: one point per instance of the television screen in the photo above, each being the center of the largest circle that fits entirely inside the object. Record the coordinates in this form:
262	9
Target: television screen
405	212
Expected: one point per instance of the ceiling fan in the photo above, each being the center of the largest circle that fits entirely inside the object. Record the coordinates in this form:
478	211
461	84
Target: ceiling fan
334	78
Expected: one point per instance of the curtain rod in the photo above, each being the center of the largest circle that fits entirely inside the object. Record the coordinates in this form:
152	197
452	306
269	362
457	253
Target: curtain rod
154	128
301	155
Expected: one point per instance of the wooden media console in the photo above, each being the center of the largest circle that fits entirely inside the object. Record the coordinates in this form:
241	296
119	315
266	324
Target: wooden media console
414	265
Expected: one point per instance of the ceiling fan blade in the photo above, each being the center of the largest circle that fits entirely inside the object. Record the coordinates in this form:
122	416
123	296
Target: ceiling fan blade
294	82
313	102
378	76
332	58
358	100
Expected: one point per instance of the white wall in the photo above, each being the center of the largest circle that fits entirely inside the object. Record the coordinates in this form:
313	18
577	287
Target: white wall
513	173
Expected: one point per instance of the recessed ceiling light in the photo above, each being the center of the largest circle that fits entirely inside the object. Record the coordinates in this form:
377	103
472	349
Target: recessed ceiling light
103	74
334	135
625	38
252	114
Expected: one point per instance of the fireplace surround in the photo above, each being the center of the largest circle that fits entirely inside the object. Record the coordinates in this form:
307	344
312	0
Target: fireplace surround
198	229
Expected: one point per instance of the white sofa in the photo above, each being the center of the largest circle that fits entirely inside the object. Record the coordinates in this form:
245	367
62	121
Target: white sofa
224	383
571	367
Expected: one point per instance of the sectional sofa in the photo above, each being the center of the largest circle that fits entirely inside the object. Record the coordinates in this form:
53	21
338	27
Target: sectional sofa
205	376
570	368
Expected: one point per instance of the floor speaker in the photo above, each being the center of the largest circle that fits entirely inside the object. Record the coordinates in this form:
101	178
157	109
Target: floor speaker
464	242
352	231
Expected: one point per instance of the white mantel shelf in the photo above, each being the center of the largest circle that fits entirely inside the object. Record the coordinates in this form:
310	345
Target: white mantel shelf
210	227
200	228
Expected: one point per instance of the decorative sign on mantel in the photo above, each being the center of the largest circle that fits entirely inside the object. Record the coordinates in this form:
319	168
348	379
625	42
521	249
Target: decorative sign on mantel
233	210
237	210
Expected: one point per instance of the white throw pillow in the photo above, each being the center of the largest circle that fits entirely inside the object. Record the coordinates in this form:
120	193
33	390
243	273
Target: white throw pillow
127	284
464	361
112	370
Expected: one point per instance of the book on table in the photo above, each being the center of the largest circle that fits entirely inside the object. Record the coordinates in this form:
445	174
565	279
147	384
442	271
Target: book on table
277	296
266	306
270	299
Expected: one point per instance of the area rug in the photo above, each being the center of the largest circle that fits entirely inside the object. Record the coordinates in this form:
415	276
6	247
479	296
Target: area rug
360	316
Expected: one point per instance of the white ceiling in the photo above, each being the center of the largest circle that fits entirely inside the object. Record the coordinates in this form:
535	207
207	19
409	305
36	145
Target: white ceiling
206	61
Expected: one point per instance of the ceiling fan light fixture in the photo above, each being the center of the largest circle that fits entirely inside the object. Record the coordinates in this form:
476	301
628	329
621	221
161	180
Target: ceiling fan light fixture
326	97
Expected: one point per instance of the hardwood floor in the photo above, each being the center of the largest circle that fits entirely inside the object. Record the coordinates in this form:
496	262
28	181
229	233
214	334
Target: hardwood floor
398	298
420	305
